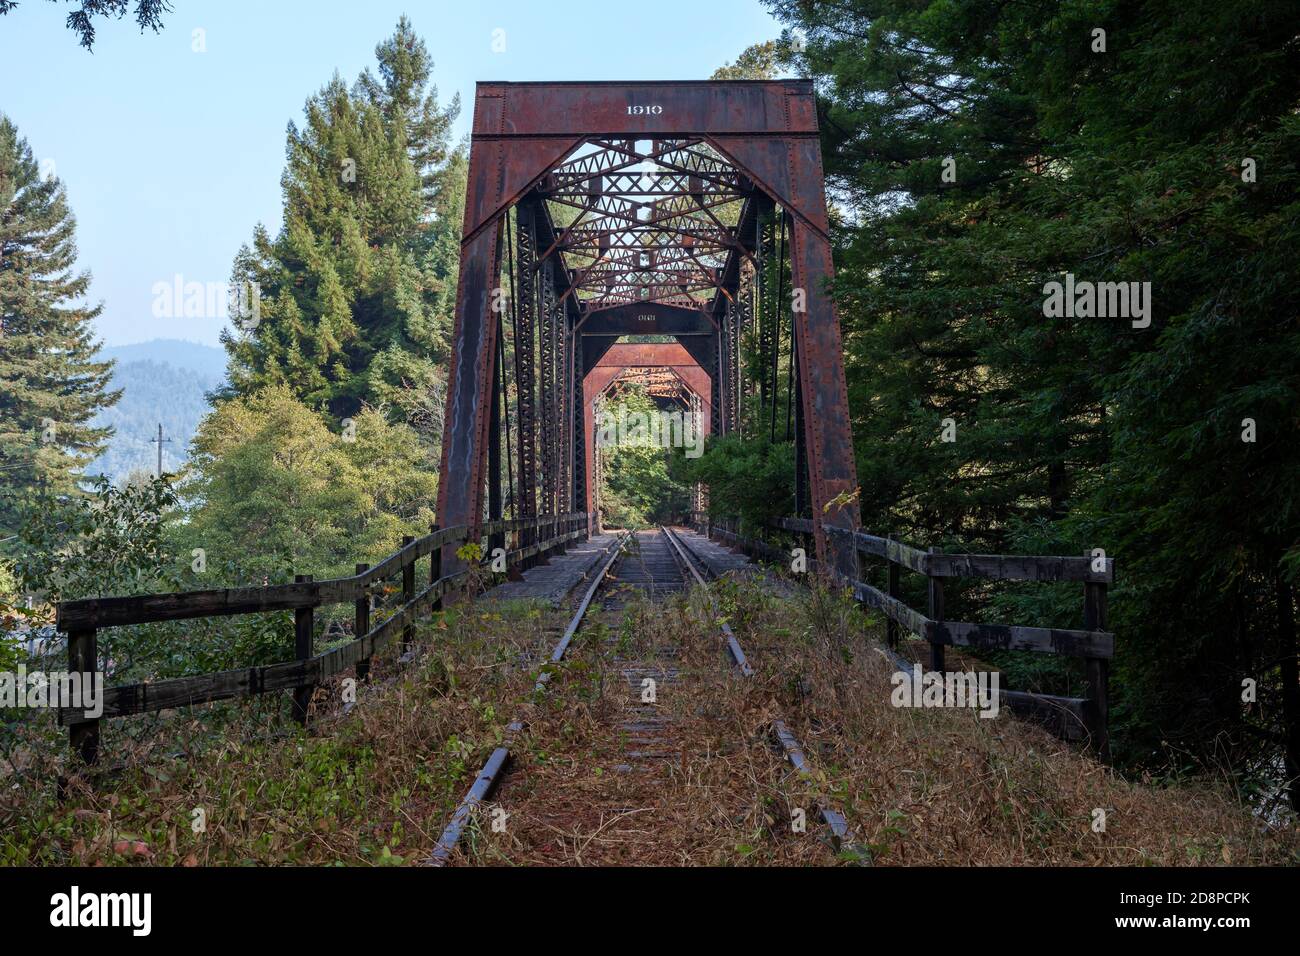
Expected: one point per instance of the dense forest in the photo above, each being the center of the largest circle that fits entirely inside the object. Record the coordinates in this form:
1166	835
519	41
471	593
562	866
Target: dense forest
153	393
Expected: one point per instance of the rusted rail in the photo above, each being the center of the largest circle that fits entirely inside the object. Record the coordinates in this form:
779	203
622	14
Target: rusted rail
841	835
499	759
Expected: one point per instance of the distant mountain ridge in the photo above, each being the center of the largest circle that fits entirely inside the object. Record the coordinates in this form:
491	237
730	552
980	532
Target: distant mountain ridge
208	360
163	381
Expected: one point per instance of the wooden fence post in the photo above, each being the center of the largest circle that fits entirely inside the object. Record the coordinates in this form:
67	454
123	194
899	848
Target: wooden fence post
408	595
303	632
1097	670
361	625
891	626
935	588
435	569
83	658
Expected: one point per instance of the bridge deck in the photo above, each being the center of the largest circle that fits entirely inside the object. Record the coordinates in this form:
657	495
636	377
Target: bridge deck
552	581
718	558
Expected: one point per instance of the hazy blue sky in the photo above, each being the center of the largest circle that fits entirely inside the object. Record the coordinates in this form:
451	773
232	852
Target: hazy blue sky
171	156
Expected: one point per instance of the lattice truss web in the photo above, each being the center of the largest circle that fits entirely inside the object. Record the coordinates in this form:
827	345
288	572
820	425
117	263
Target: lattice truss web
645	220
659	383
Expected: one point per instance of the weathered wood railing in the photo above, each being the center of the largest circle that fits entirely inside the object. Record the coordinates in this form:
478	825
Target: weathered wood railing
82	619
1072	718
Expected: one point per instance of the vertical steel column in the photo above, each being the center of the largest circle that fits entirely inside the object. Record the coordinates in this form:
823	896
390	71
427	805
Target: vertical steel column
698	502
526	243
496	540
801	502
715	383
763	250
733	366
828	438
576	426
469	385
597	468
745	305
546	338
563	373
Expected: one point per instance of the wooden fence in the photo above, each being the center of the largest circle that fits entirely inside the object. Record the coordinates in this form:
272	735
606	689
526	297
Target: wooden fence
1071	718
80	620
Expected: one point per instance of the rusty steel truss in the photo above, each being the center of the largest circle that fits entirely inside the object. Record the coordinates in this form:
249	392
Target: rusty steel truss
597	211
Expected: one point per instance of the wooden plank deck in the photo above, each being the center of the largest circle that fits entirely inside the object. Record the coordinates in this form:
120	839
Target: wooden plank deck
552	581
717	557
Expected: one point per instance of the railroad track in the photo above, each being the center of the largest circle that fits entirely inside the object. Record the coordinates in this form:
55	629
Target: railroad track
492	771
842	836
642	566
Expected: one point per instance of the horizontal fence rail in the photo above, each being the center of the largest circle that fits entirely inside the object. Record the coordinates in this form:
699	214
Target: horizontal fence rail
81	620
1072	718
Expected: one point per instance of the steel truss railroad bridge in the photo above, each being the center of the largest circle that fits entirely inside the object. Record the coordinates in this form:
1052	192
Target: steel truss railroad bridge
598	211
668	213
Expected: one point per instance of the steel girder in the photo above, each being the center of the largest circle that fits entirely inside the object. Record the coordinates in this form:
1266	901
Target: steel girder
549	315
525	358
765	248
664	164
577	453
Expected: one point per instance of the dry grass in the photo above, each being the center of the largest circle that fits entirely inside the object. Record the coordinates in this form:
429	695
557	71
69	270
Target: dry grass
945	786
376	785
583	790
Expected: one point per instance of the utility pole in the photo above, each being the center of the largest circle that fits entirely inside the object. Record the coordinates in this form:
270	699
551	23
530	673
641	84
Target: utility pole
159	441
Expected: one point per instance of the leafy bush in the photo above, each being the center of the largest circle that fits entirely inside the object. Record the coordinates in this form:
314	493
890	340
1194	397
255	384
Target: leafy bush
111	541
274	487
748	478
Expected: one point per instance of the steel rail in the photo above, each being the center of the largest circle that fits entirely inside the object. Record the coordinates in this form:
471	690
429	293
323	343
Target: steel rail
489	776
842	835
733	645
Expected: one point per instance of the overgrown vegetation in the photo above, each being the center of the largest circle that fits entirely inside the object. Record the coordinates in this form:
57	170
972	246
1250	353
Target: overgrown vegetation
638	488
371	784
375	783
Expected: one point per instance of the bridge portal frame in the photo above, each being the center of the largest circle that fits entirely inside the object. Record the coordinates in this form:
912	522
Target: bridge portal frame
768	131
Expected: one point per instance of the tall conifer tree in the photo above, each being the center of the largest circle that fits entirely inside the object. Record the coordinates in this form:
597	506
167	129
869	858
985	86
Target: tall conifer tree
353	290
51	384
988	149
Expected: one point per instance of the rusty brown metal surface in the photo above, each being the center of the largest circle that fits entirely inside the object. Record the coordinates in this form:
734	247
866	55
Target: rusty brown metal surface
644	108
653	318
630	355
658	187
